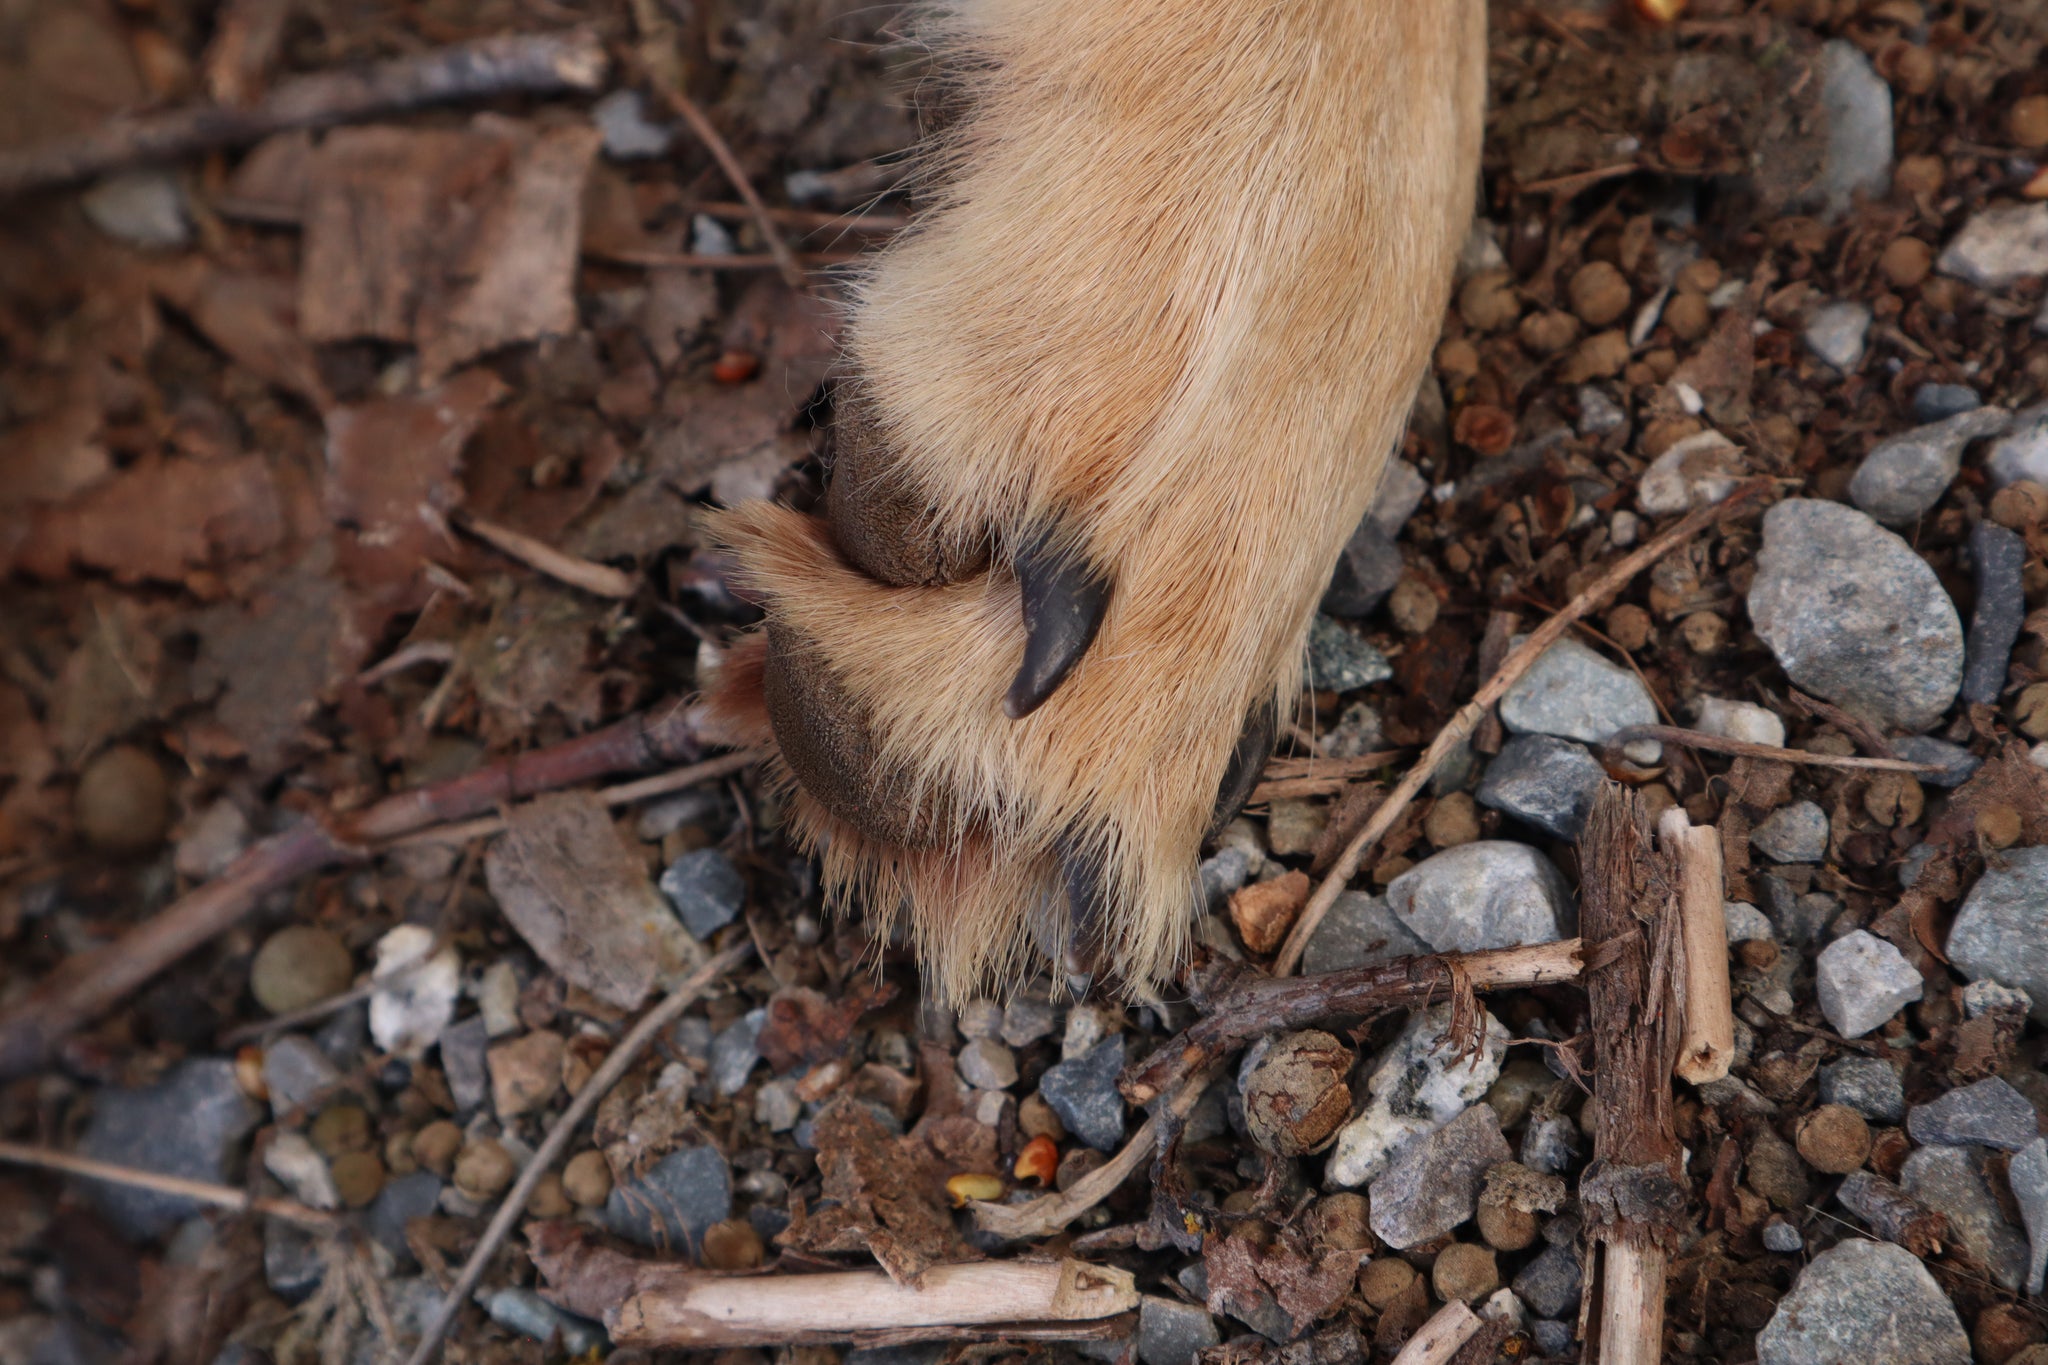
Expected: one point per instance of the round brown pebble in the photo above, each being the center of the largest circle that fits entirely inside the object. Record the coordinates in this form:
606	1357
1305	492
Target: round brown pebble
1464	1270
484	1168
1487	301
2020	505
2030	710
1629	626
299	965
1999	826
340	1128
1036	1118
1600	356
1834	1139
1759	953
1917	175
1894	799
1453	820
2003	1331
1599	293
1295	1098
1457	360
733	1245
1548	333
358	1176
1505	1227
1385	1279
2027	122
435	1146
123	801
1704	632
549	1199
1413	606
1688	316
587	1179
1906	262
1342	1222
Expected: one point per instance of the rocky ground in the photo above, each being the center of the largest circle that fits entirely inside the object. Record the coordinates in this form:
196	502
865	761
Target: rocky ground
1802	240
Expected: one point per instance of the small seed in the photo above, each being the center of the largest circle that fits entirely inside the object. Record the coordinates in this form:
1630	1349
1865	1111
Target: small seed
963	1188
1385	1279
1599	293
1688	316
1040	1161
1894	799
1453	820
2027	122
1906	262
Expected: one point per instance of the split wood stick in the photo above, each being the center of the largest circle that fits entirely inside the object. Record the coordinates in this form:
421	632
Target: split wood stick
1706	1041
1632	1197
1440	1337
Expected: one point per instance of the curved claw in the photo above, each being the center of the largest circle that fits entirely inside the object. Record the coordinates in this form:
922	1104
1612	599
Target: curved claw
1247	760
1064	602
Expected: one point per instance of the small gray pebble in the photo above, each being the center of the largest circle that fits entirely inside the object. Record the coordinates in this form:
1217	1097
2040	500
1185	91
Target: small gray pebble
1083	1093
1866	1084
706	890
1546	782
1989	1113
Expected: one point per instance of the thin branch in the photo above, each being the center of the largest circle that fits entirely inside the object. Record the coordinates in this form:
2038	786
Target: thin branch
201	1191
86	985
522	63
552	1146
692	260
686	109
599	580
625	794
1460	728
1742	748
814	220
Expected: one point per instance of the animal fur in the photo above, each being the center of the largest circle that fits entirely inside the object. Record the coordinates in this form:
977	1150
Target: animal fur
1166	315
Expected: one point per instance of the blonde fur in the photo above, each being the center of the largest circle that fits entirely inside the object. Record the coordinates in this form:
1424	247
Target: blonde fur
1171	303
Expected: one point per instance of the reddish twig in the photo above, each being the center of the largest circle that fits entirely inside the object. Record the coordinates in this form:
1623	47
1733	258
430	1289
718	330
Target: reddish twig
86	985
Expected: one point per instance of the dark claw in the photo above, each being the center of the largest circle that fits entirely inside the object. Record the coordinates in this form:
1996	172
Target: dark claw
1247	760
1063	606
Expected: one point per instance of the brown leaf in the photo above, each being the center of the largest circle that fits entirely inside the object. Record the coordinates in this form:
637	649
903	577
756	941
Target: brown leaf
805	1027
882	1194
533	656
582	899
1723	370
1760	783
109	683
1245	1279
160	518
254	319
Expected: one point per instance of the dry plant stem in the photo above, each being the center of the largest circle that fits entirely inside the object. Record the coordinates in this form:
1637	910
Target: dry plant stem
1706	1041
86	985
1461	725
204	1192
599	580
686	109
1742	748
527	63
1255	1005
815	220
625	794
690	260
550	1150
1632	1198
1440	1337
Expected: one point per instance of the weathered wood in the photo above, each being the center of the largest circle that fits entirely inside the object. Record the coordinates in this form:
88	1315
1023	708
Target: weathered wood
1706	1044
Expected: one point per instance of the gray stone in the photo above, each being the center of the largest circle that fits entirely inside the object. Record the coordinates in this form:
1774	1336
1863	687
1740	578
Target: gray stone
1782	1237
1432	1185
402	1199
1599	413
1420	1083
1797	833
1998	556
463	1051
1028	1019
736	1049
1903	476
1863	981
2022	453
1854	615
1550	1283
1573	693
1953	762
1170	1333
295	1070
530	1315
1999	247
1743	720
1082	1091
292	1264
776	1106
1856	105
1547	782
1360	930
1869	1086
191	1123
706	890
980	1018
1223	872
2027	1176
1797	918
1836	333
1485	894
1367	570
1342	660
1936	402
629	134
1983	997
1745	923
2001	933
1552	1337
1989	1113
144	208
1950	1179
1864	1301
1550	1145
1401	491
988	1064
669	1206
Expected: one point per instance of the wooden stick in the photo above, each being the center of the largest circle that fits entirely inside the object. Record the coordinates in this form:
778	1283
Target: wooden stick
1255	1005
686	109
1440	1337
625	794
86	985
599	580
201	1191
696	260
1460	728
557	1141
1633	1198
1706	1040
1742	748
520	63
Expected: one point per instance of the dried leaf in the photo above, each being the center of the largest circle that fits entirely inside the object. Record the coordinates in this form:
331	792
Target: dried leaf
109	683
882	1194
805	1027
582	899
254	319
160	518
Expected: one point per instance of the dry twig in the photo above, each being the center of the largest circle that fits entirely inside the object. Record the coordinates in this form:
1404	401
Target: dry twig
202	1191
522	63
1460	727
599	580
1742	748
1706	1043
686	109
550	1150
1439	1338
